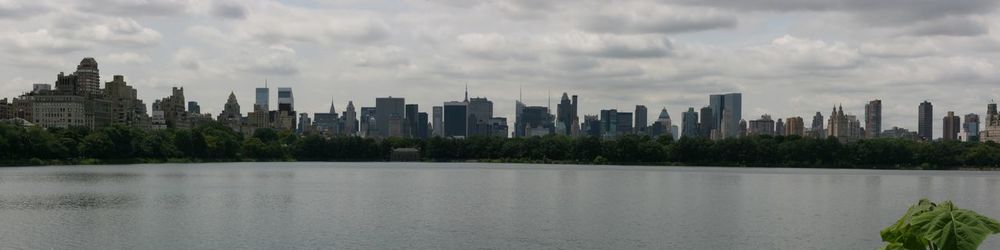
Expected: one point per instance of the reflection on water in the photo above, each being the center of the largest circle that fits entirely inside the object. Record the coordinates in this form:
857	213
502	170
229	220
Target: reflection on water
465	206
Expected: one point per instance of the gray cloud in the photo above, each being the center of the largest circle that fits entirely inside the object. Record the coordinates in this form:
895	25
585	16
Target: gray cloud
135	7
875	12
229	10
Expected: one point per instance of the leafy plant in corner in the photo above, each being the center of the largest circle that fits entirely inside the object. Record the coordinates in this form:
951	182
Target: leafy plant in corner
927	225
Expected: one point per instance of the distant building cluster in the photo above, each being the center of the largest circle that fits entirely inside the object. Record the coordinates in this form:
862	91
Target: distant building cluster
77	100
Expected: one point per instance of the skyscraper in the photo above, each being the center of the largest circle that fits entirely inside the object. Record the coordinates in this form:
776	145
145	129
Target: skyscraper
422	131
230	115
388	109
456	119
970	129
762	126
817	126
304	123
951	127
925	121
350	119
609	123
285	100
437	123
566	115
127	109
194	108
727	109
88	77
873	118
794	126
480	112
779	127
707	123
412	120
640	119
263	98
624	123
690	123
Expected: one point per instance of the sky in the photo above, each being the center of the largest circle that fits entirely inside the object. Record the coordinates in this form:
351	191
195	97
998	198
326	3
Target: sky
788	57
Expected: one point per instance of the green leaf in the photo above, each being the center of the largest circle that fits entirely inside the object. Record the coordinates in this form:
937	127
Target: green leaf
948	227
902	235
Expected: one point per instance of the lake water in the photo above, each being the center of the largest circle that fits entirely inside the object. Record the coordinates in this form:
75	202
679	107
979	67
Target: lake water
466	206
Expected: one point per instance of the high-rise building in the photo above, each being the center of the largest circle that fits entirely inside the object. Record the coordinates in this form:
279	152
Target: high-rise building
367	126
951	127
690	123
350	120
609	123
330	123
794	126
532	120
707	123
88	77
817	126
925	121
640	119
437	123
263	98
480	113
762	126
412	120
194	108
304	124
422	131
970	129
727	109
386	110
845	128
566	115
991	131
456	119
591	126
624	123
286	102
873	118
779	127
499	126
174	113
664	119
231	115
127	109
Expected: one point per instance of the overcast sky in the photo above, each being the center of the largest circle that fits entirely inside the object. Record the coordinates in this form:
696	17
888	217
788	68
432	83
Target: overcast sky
788	58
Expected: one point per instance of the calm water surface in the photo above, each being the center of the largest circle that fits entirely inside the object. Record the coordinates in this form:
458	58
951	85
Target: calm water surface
465	206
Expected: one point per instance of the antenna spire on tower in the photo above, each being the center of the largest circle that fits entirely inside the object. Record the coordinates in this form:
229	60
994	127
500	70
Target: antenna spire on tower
466	91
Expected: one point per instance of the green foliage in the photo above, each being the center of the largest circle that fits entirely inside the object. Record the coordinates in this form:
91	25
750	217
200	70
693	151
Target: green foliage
926	225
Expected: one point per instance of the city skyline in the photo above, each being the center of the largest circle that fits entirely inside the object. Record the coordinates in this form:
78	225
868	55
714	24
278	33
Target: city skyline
654	53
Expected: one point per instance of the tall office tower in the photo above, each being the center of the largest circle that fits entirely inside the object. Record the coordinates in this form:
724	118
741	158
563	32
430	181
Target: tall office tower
951	126
480	112
723	104
194	108
873	118
422	130
366	122
350	120
385	109
566	115
591	126
925	121
690	123
437	123
624	123
794	126
779	127
88	77
707	123
412	119
304	123
664	118
640	119
762	126
263	98
285	100
991	129
970	129
816	129
991	109
456	119
609	123
230	115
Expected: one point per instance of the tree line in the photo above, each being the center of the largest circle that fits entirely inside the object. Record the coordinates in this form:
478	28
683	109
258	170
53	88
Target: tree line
213	142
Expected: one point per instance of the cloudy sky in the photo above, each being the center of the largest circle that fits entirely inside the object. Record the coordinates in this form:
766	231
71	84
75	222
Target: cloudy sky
787	57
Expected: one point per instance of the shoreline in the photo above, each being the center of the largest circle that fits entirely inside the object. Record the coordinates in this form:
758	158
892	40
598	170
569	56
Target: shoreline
89	162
